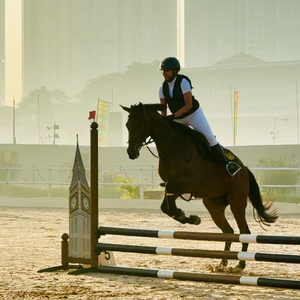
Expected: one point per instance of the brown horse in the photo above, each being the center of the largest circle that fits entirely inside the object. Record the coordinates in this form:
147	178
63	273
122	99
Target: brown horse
186	165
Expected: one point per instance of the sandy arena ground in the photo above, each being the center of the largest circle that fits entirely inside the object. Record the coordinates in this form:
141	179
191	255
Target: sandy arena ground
30	240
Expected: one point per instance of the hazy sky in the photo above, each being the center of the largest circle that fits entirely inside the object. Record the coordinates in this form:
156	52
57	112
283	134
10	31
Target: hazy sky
67	47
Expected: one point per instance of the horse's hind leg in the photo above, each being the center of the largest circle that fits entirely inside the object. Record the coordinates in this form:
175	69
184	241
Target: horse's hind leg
238	210
216	207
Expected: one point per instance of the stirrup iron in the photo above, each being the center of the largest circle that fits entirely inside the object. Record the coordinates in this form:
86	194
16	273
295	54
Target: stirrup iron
232	168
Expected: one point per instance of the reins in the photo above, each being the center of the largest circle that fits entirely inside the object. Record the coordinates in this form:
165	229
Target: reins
156	156
146	143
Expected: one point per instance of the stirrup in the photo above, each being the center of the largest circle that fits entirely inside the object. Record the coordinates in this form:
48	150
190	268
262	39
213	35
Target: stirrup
232	168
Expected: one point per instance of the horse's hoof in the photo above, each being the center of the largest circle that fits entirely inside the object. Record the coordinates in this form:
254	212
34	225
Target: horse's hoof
194	220
219	269
210	268
237	270
228	270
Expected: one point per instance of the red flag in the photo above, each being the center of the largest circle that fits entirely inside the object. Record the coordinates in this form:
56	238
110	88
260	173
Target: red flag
92	115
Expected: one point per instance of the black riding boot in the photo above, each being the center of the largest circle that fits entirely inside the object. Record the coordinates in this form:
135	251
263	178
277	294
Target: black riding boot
231	167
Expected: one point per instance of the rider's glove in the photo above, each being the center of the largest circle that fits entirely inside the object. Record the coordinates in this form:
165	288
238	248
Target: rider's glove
170	117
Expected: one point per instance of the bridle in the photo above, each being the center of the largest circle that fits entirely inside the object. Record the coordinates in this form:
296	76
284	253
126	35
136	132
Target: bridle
145	141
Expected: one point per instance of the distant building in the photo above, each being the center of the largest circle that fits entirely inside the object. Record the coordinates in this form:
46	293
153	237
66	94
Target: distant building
67	43
2	52
267	92
268	29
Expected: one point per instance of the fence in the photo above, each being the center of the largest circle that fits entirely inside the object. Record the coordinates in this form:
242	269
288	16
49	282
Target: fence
145	179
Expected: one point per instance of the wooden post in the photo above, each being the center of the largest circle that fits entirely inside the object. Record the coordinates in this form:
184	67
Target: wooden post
141	185
94	193
65	250
8	182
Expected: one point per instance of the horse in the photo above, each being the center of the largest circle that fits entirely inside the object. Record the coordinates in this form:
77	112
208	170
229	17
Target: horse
187	166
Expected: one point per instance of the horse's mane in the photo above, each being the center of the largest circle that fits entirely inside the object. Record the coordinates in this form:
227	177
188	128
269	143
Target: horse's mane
182	131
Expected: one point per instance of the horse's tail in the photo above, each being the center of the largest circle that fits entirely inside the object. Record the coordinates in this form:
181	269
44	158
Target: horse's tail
261	215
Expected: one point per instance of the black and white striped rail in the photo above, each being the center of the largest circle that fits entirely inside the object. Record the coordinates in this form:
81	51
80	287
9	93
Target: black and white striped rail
193	276
102	247
201	236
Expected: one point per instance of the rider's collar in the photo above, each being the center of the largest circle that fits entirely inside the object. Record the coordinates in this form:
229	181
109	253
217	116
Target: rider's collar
173	80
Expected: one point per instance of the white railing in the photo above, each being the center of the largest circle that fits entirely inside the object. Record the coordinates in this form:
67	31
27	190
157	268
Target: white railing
146	178
53	177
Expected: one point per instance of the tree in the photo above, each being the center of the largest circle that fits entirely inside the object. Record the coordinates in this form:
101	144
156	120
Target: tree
123	191
139	83
45	98
8	160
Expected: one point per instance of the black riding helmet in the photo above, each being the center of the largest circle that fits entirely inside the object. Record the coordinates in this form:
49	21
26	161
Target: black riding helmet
170	63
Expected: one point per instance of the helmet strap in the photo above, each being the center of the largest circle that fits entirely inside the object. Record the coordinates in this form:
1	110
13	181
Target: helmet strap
175	72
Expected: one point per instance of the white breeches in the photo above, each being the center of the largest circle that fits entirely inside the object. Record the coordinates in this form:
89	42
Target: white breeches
198	121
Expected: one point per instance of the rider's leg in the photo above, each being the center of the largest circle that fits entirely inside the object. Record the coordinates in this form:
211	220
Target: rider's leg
231	167
199	122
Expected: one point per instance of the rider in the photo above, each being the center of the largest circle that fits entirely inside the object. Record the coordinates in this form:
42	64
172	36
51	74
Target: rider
176	93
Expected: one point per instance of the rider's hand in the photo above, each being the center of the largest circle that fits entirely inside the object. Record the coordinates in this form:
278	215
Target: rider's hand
170	117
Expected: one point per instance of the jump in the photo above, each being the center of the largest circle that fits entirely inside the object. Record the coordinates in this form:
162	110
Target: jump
187	165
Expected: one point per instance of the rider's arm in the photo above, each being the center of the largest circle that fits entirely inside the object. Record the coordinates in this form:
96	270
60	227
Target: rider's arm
162	101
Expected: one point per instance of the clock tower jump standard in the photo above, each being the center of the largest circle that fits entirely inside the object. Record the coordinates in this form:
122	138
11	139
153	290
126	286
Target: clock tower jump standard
79	211
83	217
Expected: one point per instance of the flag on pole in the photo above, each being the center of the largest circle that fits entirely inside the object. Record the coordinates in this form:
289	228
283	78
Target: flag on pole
236	106
103	110
92	115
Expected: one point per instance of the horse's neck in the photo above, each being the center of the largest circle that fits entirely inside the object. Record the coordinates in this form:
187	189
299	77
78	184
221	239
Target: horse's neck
162	134
169	142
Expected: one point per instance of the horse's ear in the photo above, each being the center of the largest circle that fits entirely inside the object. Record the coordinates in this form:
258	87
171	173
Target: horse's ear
126	108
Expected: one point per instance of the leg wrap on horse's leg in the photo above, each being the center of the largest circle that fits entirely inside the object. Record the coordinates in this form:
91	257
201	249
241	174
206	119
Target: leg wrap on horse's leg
168	206
164	207
179	216
175	213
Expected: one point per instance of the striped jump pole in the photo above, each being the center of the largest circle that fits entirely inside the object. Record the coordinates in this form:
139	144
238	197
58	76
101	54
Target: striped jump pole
102	247
193	276
201	236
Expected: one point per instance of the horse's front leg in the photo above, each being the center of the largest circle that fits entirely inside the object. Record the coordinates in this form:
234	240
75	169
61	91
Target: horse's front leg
169	207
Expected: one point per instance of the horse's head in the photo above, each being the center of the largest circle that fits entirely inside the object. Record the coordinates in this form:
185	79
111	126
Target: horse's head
138	126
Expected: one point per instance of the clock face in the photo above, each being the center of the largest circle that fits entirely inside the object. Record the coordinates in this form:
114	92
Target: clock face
73	203
86	203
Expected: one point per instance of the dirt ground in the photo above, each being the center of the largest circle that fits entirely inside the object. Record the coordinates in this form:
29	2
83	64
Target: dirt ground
30	240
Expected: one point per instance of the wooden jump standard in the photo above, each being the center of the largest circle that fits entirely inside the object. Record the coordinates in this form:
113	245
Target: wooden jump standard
192	276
